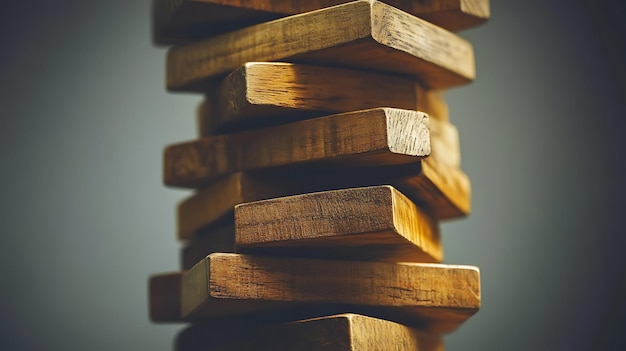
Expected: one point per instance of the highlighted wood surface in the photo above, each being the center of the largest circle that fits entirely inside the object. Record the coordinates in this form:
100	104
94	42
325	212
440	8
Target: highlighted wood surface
370	223
434	297
181	21
357	139
442	190
261	94
361	34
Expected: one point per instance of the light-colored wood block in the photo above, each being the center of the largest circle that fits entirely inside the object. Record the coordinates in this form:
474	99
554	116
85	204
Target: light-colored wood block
445	147
434	297
357	139
433	103
376	37
268	93
370	223
164	295
445	191
180	21
345	332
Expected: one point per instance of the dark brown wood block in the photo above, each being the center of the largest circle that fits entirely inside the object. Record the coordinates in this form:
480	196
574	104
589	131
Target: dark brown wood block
351	140
164	295
370	223
220	238
434	297
345	332
181	21
376	37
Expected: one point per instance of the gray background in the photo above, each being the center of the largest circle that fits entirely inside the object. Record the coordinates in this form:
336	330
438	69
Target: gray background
84	218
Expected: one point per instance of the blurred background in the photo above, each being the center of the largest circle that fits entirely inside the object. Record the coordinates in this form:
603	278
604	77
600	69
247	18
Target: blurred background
84	218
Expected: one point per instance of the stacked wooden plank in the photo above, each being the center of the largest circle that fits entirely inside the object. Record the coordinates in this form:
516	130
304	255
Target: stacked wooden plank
324	162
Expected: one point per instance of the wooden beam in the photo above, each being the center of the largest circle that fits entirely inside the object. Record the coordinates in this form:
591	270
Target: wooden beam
376	37
373	223
444	191
164	295
344	332
434	297
181	21
369	224
358	139
261	94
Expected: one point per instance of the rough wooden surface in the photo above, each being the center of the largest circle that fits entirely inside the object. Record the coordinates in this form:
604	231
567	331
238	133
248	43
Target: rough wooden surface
434	297
180	21
164	295
345	332
445	191
268	93
376	37
370	223
358	139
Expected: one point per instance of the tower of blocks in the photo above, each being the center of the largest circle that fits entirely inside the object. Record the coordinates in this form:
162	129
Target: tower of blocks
324	162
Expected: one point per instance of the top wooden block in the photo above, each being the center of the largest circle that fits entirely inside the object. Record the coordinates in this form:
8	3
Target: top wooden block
180	21
363	34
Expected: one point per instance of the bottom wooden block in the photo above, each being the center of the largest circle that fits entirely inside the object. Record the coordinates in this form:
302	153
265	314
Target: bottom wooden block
345	332
433	297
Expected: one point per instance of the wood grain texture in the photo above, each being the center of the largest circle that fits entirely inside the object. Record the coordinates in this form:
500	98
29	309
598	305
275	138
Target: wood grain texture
358	139
345	332
370	223
261	94
181	21
377	37
164	295
434	297
445	191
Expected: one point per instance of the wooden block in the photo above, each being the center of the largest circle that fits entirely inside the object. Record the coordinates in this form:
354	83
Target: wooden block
358	139
370	223
444	143
164	295
261	94
435	297
457	14
443	190
433	103
345	332
376	37
181	21
220	238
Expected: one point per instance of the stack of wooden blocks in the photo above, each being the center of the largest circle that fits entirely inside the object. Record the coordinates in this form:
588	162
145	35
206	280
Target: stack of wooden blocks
324	163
